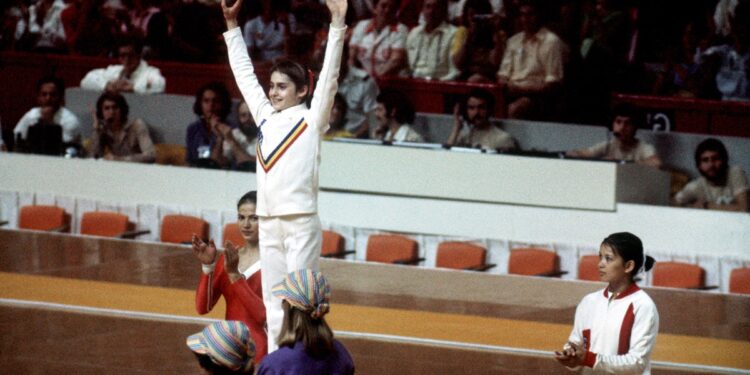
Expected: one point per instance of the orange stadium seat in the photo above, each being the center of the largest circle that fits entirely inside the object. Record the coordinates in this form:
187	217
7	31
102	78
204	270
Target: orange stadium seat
334	245
392	248
180	228
105	224
233	234
462	256
739	281
588	268
534	262
49	218
679	275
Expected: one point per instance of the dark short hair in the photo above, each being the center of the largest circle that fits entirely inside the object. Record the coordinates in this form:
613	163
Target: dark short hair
629	247
57	81
484	95
206	363
627	110
128	40
119	100
221	91
298	74
394	99
711	144
249	197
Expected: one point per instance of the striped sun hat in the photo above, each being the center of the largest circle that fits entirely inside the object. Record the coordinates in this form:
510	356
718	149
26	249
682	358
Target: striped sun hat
306	290
227	343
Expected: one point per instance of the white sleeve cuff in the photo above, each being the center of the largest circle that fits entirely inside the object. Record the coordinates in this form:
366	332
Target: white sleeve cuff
208	268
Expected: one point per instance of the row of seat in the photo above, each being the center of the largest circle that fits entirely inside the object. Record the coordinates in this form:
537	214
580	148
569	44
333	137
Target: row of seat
391	248
383	248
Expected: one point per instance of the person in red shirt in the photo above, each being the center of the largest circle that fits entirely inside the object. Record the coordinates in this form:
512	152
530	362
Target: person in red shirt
236	275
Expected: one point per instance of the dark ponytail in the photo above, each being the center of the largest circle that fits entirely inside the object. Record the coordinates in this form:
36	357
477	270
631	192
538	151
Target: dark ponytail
629	247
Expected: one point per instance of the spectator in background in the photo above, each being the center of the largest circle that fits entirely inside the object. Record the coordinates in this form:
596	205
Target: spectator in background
204	139
133	74
625	146
265	34
682	75
394	114
474	59
140	15
224	347
337	121
730	63
473	128
42	29
532	67
306	342
117	138
360	91
49	112
100	25
432	46
378	45
720	187
239	143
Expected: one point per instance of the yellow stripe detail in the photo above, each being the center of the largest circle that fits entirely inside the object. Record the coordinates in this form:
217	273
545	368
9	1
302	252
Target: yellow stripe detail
389	321
281	148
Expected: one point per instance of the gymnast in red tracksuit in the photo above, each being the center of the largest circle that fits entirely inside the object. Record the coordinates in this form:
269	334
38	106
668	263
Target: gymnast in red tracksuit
615	329
235	274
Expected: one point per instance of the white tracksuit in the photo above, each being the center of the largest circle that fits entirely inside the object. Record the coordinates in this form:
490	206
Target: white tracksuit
619	333
288	160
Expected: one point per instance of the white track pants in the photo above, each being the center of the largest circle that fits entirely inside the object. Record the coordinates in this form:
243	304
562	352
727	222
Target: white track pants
287	243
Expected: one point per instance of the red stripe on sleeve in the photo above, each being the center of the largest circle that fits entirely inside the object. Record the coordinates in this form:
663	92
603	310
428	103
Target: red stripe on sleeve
625	330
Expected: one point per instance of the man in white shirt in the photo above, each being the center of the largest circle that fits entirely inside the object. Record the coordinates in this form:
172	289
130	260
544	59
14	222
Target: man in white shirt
133	74
43	29
720	187
50	112
472	126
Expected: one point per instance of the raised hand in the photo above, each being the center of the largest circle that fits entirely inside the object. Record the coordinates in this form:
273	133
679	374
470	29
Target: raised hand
206	253
232	261
231	12
338	11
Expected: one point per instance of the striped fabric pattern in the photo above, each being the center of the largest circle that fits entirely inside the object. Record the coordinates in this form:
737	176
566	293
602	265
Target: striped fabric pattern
306	290
227	343
268	162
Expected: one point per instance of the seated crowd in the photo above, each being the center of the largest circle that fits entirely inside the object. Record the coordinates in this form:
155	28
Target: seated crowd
528	53
558	61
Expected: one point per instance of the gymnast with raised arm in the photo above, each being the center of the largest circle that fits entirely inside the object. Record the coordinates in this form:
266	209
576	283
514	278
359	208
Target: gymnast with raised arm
288	153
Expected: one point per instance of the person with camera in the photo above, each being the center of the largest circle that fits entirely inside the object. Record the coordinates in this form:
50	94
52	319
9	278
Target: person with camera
472	126
116	138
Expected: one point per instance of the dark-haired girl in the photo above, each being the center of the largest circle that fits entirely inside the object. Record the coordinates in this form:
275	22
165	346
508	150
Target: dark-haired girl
615	328
288	152
236	275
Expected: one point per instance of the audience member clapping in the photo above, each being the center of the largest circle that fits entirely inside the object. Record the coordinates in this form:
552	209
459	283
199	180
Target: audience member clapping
41	29
115	136
720	187
306	342
730	63
239	143
133	74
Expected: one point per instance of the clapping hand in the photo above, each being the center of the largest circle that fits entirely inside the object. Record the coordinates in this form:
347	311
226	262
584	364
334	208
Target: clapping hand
206	253
232	261
572	355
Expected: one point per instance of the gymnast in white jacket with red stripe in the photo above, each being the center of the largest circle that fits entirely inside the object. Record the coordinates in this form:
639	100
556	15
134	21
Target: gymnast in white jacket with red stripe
288	154
615	329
